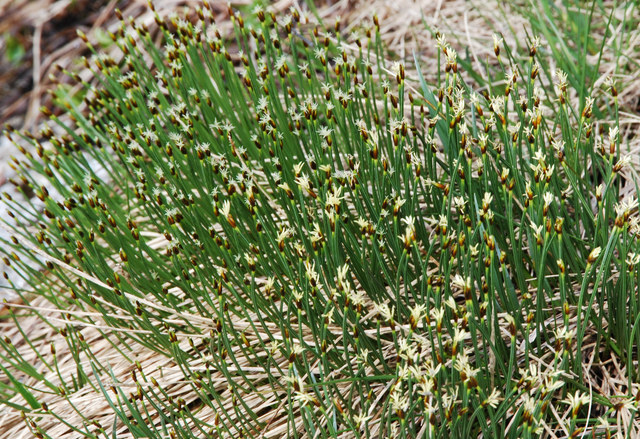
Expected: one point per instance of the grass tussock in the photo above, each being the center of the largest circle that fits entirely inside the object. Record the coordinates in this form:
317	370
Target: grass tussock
282	234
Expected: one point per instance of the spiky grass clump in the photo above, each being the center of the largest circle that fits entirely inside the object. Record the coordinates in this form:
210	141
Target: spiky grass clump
289	243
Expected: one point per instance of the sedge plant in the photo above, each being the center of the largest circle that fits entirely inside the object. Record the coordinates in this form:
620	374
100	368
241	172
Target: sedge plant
305	242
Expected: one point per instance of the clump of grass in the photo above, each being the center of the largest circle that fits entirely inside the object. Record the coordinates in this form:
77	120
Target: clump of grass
308	246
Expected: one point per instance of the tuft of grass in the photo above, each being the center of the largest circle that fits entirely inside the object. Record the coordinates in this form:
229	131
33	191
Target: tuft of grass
271	236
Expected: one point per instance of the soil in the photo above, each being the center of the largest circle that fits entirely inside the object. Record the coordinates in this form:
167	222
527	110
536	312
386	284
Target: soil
45	33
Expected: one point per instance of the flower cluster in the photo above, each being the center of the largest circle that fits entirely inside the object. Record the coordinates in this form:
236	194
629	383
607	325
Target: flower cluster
317	250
